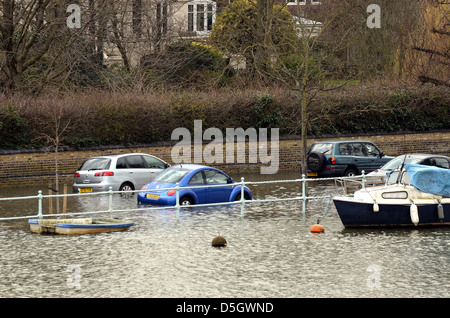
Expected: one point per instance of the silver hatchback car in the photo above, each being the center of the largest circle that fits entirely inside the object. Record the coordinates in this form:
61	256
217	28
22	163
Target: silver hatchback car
123	172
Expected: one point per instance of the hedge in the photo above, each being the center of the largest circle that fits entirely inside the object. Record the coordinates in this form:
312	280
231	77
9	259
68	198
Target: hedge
96	118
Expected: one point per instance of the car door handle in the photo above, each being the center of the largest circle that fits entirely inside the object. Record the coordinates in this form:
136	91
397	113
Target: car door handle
130	171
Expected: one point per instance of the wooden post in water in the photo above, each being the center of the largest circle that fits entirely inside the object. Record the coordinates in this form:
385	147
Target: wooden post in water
65	200
50	200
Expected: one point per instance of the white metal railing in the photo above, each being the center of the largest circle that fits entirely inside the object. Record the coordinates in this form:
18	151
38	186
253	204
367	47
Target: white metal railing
303	197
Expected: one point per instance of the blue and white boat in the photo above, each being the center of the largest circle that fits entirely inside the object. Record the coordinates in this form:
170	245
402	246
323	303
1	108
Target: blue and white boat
77	226
415	195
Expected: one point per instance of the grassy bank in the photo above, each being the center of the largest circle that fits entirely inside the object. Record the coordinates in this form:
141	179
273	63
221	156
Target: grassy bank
93	118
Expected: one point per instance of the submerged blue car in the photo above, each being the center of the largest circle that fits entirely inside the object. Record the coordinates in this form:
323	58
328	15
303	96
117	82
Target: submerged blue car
194	176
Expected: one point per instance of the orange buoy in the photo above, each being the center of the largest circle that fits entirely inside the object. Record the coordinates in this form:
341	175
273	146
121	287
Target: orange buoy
317	228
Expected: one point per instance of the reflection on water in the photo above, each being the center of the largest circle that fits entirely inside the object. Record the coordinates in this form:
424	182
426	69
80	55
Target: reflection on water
270	253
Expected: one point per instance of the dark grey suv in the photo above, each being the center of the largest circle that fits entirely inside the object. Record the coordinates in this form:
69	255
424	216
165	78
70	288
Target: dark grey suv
344	158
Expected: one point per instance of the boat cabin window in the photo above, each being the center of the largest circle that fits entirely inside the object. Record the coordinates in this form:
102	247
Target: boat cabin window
395	195
405	179
393	176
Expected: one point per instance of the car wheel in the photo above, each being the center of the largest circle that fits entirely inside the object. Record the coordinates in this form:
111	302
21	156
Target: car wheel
126	187
315	161
186	201
238	197
350	173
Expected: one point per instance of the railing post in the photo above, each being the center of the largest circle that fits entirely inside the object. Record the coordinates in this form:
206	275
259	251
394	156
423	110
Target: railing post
177	204
242	196
40	204
110	192
303	195
363	179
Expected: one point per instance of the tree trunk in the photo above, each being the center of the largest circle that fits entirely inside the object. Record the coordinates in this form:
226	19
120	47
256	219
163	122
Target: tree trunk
263	35
304	102
57	171
304	129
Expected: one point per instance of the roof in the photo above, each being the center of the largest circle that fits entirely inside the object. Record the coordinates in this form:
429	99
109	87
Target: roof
421	155
121	154
191	167
340	141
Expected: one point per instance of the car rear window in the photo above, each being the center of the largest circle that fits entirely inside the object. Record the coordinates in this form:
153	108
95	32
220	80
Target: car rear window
321	147
442	163
96	164
397	162
171	175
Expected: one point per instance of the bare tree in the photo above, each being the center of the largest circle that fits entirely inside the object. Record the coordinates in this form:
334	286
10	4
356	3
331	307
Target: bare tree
431	47
55	117
249	29
302	70
37	46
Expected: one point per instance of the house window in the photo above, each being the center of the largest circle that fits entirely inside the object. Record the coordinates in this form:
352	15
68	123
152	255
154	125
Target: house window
161	18
190	17
137	16
301	2
201	16
296	2
210	16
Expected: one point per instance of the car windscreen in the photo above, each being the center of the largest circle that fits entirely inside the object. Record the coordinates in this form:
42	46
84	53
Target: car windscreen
96	164
321	147
171	175
397	162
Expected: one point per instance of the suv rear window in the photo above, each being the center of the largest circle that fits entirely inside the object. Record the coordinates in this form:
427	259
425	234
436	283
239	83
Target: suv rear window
321	147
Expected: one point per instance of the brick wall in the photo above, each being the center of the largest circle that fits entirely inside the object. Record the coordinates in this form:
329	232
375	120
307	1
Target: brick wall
38	167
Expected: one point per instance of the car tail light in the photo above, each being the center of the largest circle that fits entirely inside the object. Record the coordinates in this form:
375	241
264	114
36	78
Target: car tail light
171	192
333	160
104	174
76	175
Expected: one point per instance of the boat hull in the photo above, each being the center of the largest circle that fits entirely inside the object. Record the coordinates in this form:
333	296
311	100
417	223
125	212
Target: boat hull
354	213
72	228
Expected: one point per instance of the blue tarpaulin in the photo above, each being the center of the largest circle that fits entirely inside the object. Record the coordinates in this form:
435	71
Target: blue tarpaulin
429	179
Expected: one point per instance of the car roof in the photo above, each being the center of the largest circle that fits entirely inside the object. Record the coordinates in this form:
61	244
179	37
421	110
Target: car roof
191	167
121	154
422	155
340	141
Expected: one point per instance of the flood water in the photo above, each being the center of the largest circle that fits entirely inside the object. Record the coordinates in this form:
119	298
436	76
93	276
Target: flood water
270	252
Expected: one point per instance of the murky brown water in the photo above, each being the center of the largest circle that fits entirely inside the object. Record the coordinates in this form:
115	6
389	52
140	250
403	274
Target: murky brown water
270	252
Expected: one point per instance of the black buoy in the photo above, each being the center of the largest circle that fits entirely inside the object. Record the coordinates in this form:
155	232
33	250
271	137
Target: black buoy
219	241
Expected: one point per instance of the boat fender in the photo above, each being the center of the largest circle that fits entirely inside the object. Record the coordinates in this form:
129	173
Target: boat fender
317	228
376	207
440	212
414	214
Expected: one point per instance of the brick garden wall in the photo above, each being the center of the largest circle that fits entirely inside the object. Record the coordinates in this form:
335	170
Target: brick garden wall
18	168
